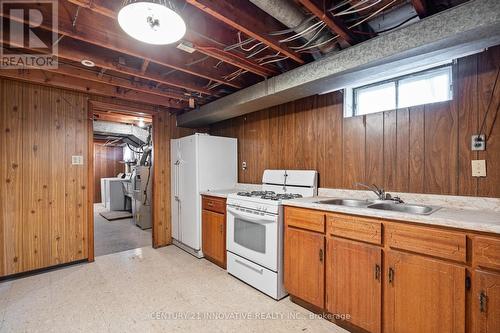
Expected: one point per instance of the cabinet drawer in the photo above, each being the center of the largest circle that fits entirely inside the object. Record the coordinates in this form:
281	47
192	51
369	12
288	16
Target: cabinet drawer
486	252
439	243
214	204
305	219
353	227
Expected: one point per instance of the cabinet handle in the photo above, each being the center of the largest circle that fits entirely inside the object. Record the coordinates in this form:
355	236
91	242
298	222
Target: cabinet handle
210	204
321	255
377	272
483	299
391	275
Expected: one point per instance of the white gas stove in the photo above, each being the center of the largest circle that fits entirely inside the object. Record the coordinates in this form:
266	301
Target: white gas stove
255	228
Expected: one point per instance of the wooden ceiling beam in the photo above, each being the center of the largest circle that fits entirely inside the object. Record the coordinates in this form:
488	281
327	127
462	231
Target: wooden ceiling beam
421	8
118	82
201	46
113	39
335	25
236	60
72	53
71	83
122	109
119	118
248	20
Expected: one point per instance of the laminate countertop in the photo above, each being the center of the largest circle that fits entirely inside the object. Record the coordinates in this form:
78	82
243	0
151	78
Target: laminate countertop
468	219
220	193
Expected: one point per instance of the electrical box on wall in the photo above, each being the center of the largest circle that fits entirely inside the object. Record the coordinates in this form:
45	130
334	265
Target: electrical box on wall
478	142
479	168
77	160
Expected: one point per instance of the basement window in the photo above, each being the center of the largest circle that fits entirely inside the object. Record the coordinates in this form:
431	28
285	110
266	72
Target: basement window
429	86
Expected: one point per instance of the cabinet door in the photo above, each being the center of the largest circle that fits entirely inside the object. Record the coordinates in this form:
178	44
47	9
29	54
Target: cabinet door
486	302
214	236
304	265
353	282
423	295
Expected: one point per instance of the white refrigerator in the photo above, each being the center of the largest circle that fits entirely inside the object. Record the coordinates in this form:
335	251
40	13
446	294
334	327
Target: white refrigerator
199	162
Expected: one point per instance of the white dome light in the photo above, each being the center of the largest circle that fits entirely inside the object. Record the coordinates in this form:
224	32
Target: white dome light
151	22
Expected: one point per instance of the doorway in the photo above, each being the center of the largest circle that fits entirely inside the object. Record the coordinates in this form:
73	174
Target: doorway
122	177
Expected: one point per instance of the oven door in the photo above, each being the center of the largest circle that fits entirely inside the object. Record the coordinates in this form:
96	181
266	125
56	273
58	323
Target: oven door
253	236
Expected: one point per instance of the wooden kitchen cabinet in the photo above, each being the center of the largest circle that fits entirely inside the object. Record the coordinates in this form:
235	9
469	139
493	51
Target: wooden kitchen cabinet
353	282
213	228
486	302
423	295
304	265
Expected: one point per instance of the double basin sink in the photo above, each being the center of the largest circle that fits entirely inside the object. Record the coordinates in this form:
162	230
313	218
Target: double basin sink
387	205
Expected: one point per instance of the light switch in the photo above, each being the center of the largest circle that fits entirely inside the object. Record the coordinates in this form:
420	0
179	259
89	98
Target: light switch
479	168
77	160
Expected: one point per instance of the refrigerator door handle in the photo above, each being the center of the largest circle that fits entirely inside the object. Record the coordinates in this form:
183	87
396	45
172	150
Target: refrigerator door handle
176	180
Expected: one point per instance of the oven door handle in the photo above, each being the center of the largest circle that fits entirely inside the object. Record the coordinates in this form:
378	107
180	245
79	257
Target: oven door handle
259	219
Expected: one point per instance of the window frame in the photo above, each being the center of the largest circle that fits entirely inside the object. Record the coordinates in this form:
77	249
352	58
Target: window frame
350	96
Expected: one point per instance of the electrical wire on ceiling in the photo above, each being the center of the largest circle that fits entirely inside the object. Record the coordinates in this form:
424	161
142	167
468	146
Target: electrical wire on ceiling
352	9
372	14
298	35
311	40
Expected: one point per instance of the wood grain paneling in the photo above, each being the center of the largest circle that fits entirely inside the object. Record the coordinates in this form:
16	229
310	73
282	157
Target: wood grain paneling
488	68
106	164
422	149
44	198
353	158
46	206
374	148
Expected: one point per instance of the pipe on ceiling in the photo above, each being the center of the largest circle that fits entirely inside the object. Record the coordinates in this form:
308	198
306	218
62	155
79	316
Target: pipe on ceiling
290	15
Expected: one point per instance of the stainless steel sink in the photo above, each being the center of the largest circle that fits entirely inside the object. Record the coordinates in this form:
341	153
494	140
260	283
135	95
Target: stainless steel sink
346	202
405	208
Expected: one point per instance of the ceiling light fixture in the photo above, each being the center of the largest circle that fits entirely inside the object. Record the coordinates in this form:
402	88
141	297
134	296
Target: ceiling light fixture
88	63
141	123
153	22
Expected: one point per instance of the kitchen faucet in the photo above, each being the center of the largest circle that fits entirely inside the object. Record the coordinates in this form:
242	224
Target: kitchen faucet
379	192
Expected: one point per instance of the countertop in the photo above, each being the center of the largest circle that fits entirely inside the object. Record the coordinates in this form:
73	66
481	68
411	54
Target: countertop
469	219
220	193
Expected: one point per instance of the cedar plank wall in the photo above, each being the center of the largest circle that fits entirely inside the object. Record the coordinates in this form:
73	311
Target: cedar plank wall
44	201
106	164
424	149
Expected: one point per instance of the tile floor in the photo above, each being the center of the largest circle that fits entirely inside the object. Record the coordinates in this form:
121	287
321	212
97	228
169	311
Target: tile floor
117	236
145	290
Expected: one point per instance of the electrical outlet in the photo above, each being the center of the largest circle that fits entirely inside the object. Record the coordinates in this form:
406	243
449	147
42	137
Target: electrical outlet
478	142
244	165
479	168
77	160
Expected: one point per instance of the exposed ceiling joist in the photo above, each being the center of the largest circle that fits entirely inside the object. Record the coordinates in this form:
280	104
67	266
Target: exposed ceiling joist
112	39
72	83
238	15
119	118
122	109
203	46
118	82
70	50
335	25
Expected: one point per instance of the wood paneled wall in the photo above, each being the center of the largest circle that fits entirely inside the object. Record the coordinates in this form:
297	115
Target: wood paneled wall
45	204
423	149
43	197
106	164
